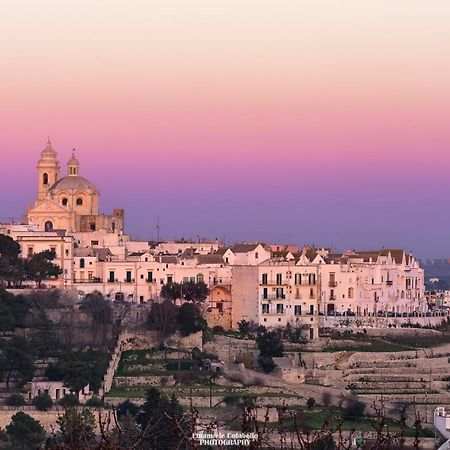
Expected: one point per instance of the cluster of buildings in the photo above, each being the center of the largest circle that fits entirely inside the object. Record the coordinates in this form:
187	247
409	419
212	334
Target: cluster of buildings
268	284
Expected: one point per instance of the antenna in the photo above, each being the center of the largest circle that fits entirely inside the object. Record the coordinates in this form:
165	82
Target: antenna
157	228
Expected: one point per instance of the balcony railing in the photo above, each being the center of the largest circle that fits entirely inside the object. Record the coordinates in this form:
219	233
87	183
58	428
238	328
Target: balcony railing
332	283
273	297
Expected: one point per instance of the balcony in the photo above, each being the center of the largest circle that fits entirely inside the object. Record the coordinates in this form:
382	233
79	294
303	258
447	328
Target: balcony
332	283
84	280
273	297
389	282
277	313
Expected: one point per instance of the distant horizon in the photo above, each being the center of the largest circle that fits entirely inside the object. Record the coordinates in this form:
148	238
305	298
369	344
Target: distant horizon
320	122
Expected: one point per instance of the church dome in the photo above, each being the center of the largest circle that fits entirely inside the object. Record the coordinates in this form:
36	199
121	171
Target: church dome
73	183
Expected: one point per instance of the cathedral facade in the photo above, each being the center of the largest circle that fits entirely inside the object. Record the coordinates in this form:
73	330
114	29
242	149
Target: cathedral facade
70	202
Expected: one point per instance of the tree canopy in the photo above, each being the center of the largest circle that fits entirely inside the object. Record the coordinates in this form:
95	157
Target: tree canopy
13	310
196	292
11	267
190	291
24	432
16	360
78	368
40	267
162	317
190	319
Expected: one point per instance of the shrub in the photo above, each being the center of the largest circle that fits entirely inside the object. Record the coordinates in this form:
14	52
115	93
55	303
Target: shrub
232	400
15	400
266	363
69	400
354	409
310	402
182	365
42	402
95	402
127	407
258	381
235	377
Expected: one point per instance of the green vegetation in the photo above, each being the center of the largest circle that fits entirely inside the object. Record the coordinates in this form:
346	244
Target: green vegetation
269	344
16	360
367	345
24	433
42	402
15	400
190	291
77	368
315	418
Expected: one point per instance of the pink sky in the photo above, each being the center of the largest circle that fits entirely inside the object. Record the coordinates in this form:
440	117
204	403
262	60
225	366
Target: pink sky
322	121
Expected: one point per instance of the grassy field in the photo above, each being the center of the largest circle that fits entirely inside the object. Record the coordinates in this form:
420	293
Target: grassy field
367	345
316	417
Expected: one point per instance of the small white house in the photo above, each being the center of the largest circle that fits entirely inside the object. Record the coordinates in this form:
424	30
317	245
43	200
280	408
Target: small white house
56	390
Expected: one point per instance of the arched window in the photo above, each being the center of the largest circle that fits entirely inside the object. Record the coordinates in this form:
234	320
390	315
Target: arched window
82	263
79	201
45	179
200	278
48	226
119	297
64	201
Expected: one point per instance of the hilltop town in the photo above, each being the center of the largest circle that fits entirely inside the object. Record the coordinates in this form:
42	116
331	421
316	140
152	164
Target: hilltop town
300	346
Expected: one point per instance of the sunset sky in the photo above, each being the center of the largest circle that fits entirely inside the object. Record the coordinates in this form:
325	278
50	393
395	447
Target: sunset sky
322	121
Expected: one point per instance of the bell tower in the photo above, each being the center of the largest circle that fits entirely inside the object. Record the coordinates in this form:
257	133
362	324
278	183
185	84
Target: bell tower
48	170
73	166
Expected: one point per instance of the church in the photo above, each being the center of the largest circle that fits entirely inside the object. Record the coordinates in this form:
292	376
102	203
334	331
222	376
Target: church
70	202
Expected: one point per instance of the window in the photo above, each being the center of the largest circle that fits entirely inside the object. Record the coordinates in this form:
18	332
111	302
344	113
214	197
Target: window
53	250
112	276
311	309
298	278
94	242
279	278
169	279
265	308
256	255
64	201
279	293
45	179
265	293
185	279
150	277
119	296
82	263
128	276
350	292
30	252
312	278
280	308
298	310
200	278
90	276
264	278
92	226
48	226
79	201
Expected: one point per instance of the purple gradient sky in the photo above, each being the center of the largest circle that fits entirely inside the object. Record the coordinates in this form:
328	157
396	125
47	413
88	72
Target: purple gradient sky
310	122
